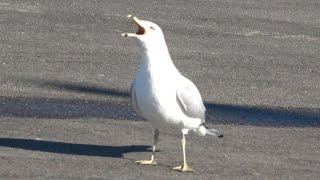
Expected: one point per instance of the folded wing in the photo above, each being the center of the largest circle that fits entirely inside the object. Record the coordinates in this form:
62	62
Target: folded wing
190	100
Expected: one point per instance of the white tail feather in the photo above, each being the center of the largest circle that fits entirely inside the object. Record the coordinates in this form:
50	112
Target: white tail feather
202	131
213	132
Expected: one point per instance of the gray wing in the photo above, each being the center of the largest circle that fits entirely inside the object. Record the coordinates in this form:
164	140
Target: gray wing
190	100
134	99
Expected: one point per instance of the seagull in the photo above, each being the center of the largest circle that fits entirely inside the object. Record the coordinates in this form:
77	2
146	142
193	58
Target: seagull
161	94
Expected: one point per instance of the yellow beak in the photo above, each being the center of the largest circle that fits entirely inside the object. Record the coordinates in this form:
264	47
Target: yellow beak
136	21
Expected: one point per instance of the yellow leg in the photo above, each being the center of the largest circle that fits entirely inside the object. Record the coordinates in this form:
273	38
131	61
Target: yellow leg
152	160
184	167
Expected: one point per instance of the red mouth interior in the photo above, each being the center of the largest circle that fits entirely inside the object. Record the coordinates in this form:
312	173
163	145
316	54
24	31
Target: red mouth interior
141	30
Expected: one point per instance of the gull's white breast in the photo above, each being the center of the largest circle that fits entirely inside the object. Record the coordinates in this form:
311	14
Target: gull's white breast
156	85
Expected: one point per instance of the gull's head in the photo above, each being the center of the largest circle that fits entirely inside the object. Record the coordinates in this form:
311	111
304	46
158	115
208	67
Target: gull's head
149	33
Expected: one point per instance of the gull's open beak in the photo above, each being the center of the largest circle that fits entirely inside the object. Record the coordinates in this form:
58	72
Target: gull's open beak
140	30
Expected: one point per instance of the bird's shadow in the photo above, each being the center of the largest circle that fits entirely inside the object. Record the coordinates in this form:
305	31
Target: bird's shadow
262	116
75	87
71	148
217	113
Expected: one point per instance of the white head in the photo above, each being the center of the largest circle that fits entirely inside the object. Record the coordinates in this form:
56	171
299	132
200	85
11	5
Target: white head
149	34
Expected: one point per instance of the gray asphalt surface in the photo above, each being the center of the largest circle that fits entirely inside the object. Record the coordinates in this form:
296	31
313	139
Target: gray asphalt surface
65	73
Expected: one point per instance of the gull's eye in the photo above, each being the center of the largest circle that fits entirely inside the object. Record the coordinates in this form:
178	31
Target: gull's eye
152	28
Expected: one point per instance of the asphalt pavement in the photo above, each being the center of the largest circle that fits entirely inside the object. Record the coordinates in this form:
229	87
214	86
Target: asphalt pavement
65	73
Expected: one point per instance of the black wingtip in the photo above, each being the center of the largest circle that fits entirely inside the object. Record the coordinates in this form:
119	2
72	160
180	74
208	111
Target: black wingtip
220	136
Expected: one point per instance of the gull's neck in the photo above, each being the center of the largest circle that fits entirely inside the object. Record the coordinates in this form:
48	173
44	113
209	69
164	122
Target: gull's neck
156	58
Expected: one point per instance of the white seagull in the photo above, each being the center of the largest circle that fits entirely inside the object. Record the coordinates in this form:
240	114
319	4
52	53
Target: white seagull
161	94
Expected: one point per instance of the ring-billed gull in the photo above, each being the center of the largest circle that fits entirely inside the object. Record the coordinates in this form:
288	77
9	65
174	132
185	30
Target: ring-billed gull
161	94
